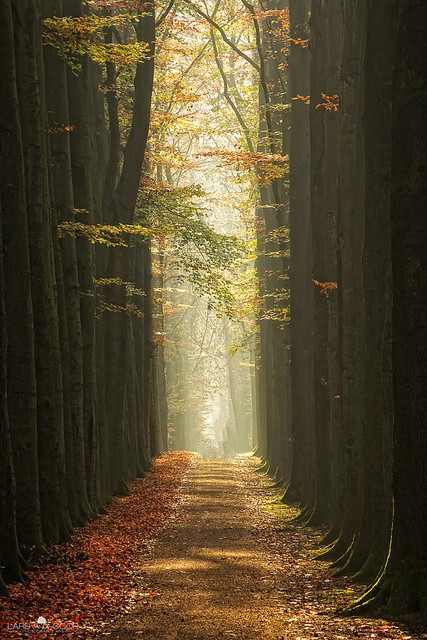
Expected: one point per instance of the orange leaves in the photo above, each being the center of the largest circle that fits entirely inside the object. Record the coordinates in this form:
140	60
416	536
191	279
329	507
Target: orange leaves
326	287
302	42
86	582
330	103
61	128
270	165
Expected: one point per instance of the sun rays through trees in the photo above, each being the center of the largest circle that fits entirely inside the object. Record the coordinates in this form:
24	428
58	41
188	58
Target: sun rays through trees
212	239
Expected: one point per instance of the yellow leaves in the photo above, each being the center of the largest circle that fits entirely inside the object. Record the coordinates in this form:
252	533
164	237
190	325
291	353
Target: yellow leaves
75	37
279	235
118	53
84	27
131	289
116	308
111	235
305	99
61	128
302	42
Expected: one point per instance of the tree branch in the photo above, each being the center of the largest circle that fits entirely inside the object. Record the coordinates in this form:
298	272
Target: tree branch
262	74
224	36
165	13
227	95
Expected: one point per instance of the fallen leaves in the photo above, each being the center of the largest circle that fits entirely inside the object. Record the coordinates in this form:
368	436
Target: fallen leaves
92	579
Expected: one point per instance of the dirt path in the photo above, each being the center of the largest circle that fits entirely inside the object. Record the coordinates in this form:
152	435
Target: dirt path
227	568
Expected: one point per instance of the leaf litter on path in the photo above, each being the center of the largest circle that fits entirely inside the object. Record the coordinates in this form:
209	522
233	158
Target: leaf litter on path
90	580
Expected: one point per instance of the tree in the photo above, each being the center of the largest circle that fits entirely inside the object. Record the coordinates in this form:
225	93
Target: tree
120	208
300	488
63	205
21	380
50	426
401	584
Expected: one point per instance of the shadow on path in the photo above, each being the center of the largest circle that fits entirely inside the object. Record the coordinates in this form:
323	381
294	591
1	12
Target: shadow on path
225	568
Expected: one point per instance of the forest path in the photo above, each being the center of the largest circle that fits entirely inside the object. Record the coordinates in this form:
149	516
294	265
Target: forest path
226	567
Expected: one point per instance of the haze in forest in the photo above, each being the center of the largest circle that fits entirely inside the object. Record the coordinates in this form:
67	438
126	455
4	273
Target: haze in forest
212	241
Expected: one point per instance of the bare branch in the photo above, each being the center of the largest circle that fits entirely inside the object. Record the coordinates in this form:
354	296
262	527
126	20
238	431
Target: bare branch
227	95
224	36
165	13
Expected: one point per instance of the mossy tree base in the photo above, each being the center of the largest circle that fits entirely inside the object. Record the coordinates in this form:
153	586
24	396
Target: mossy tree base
397	592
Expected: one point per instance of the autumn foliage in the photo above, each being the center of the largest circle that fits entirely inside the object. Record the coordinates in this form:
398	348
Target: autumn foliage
91	579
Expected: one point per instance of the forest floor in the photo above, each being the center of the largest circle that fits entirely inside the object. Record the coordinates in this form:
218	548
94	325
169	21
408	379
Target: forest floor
199	550
230	566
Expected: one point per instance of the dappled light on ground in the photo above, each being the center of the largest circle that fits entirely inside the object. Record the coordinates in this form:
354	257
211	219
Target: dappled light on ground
231	566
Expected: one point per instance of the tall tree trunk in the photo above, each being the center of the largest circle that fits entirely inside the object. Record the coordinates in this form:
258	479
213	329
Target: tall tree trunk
318	46
21	380
402	583
50	424
406	564
300	488
350	234
378	64
9	553
100	156
158	351
332	262
72	347
79	99
138	331
121	207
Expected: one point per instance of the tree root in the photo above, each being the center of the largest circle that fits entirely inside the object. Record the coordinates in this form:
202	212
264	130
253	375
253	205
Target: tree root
102	511
264	468
316	519
341	562
330	537
397	589
291	495
334	551
279	484
372	566
369	601
300	517
15	572
3	589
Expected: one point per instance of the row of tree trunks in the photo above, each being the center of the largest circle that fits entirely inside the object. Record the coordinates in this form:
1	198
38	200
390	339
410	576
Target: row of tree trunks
80	395
9	553
357	173
21	377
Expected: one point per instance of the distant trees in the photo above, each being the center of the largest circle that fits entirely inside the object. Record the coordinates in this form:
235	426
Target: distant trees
340	273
